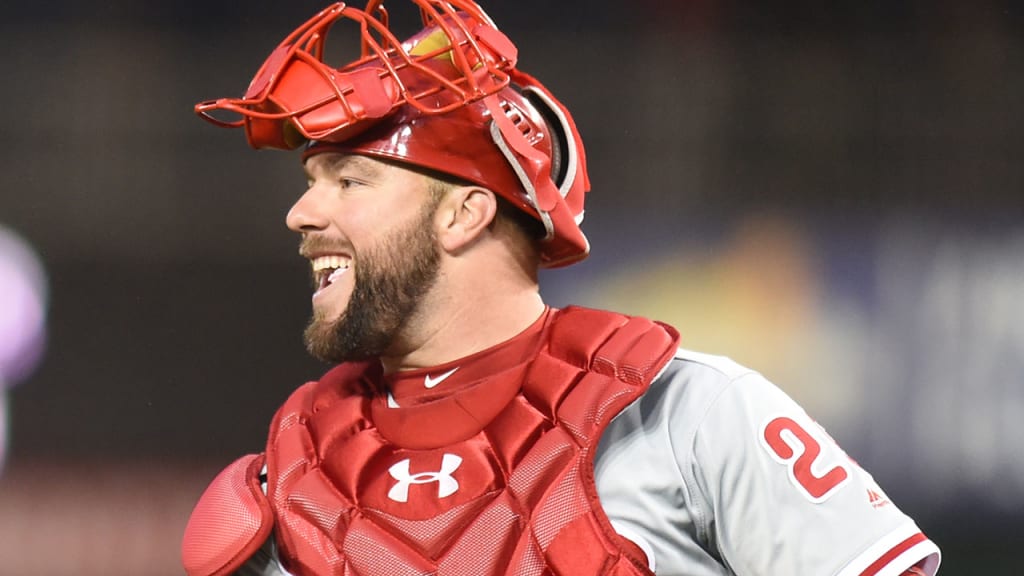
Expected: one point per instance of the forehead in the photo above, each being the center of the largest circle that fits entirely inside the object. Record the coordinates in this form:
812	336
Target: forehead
334	162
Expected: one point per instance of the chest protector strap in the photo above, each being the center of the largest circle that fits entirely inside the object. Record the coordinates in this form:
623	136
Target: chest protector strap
516	498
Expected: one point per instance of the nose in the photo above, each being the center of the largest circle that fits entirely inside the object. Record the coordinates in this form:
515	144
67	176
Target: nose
307	214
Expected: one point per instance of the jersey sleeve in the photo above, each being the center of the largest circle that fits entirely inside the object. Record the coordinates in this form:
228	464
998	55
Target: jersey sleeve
781	497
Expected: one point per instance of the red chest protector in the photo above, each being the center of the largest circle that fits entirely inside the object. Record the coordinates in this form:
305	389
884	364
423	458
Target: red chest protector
494	480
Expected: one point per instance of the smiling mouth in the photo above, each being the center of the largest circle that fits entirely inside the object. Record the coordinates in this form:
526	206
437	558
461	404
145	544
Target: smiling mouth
327	269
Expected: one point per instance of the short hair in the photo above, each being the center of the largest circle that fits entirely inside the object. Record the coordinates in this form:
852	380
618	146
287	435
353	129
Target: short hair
532	228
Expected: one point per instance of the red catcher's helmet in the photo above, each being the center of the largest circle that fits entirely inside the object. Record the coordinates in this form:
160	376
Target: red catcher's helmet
448	99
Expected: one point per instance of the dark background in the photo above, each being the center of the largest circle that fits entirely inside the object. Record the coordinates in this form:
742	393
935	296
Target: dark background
888	135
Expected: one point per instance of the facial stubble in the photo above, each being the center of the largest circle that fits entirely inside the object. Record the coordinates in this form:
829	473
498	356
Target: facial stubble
391	280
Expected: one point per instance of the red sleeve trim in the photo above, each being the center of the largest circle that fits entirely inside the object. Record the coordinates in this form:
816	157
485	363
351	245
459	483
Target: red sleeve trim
895	551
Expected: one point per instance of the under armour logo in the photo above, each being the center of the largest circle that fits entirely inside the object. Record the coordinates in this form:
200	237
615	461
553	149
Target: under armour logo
446	485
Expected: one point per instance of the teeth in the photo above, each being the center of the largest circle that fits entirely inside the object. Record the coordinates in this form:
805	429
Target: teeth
327	262
336	274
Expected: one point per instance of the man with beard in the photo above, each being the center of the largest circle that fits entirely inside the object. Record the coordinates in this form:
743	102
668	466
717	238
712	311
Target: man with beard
468	428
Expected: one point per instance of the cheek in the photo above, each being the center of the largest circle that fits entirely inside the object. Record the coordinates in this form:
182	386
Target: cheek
364	224
369	231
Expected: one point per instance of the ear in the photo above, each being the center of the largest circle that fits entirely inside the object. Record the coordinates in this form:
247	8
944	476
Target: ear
464	215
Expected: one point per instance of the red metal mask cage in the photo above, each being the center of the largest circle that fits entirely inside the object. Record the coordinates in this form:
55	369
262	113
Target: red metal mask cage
295	96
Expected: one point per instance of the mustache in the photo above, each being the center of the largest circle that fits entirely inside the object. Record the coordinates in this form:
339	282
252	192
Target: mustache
313	245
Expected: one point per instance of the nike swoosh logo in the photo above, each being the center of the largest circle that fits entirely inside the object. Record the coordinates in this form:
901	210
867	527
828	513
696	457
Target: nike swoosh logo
431	382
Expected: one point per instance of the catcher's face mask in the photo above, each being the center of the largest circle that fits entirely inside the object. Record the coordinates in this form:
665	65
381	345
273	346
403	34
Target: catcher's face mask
296	96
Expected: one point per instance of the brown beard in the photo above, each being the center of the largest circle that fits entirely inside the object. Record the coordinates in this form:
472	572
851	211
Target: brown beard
390	283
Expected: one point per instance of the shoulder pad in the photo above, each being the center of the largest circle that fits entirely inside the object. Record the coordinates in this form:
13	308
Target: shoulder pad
230	522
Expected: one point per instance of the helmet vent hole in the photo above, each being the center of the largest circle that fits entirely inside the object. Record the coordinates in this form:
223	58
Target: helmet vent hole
517	118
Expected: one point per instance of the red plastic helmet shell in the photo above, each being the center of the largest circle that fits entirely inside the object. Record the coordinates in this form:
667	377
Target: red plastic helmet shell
448	99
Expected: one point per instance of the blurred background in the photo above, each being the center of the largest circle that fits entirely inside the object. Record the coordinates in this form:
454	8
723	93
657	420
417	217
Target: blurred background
832	193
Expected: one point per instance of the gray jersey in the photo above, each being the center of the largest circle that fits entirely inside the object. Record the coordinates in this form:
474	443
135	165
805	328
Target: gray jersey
716	471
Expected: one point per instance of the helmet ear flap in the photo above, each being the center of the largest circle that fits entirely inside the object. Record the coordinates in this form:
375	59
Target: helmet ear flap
568	164
547	156
559	138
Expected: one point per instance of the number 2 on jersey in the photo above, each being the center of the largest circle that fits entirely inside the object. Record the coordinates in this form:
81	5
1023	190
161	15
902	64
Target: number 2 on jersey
791	444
